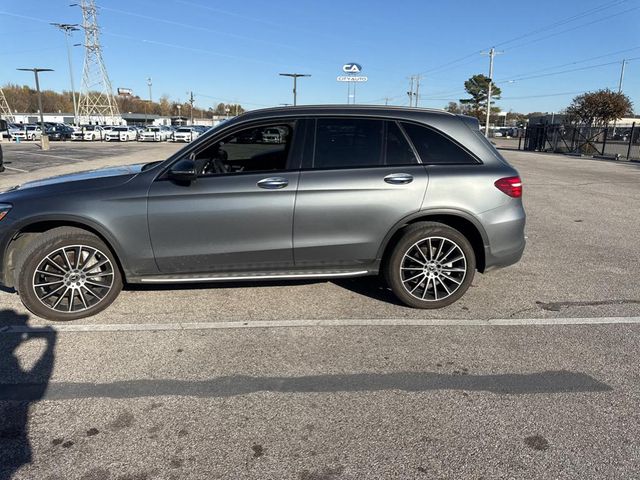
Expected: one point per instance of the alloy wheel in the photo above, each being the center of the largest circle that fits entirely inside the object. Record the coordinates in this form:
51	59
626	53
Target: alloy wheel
73	278
433	269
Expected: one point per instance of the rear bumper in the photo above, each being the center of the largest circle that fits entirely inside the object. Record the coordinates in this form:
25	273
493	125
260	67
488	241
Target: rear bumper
504	227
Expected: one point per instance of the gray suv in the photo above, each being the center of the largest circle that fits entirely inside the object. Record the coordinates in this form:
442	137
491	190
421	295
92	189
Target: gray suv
417	195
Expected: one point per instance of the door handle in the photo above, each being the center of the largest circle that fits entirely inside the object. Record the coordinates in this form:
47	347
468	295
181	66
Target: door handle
398	178
273	183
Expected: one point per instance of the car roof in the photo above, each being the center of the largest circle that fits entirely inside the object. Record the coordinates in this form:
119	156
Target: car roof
370	110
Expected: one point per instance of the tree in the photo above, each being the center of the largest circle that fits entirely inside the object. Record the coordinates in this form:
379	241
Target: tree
478	87
453	107
166	109
24	99
231	109
599	108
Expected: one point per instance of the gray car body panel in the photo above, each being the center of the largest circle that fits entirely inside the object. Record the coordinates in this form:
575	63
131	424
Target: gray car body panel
326	220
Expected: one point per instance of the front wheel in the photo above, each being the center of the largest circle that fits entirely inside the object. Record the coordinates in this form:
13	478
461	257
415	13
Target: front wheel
66	274
431	266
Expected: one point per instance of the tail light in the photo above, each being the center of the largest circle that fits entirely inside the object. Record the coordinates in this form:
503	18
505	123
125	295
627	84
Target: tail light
512	186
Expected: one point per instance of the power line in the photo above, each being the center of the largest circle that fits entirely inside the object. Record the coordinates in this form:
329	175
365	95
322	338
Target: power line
617	52
602	19
550	26
589	67
564	21
195	27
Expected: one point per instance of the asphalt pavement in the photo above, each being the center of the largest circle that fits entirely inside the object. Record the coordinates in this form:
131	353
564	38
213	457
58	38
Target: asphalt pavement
336	380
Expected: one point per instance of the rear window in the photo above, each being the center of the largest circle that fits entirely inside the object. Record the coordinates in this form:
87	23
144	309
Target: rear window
490	146
436	149
120	129
184	129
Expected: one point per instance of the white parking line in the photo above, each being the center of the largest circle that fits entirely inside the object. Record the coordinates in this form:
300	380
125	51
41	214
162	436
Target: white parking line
16	169
48	155
154	327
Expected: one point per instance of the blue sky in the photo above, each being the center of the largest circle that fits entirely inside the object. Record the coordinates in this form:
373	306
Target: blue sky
232	51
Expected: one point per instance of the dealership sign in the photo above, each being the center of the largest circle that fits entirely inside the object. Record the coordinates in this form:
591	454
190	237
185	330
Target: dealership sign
352	78
351	68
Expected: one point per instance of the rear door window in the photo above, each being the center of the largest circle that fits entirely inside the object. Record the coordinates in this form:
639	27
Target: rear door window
398	150
434	148
348	143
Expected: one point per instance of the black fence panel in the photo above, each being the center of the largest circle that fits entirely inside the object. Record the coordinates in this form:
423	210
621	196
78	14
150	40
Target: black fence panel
613	141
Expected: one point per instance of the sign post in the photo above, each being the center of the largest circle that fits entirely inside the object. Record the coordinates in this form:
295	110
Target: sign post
351	70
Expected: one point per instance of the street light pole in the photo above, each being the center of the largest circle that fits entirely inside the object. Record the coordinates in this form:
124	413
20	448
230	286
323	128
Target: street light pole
68	29
44	140
146	120
295	77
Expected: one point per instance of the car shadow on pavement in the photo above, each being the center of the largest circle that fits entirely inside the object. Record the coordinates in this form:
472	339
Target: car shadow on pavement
15	448
547	382
370	286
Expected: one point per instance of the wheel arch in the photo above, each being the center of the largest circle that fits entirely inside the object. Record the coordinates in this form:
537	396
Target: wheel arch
462	221
27	230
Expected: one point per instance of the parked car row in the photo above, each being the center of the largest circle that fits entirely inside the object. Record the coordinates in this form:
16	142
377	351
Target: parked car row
108	133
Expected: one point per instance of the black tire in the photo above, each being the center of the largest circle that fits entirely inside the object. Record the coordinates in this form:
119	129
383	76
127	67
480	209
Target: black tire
49	242
411	238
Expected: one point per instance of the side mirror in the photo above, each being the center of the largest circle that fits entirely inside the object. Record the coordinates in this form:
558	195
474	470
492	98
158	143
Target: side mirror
183	171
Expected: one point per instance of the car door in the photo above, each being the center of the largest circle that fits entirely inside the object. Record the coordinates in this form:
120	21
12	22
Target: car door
360	177
237	216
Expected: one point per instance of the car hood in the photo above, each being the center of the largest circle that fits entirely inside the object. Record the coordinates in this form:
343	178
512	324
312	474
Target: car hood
123	171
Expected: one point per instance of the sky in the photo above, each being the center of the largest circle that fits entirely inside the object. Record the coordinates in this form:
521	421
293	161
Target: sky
232	51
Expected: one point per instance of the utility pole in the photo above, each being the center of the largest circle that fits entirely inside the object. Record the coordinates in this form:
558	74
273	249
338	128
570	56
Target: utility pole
624	63
410	92
386	100
191	103
68	29
295	77
492	53
417	96
44	140
620	82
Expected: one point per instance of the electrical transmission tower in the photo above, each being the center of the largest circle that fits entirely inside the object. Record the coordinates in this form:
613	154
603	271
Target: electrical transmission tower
5	111
97	102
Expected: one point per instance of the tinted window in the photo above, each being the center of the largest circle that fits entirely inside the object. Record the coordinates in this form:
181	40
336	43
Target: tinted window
435	148
348	142
256	149
398	150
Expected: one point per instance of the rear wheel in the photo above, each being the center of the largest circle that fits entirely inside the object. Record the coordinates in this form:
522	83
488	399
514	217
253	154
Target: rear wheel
67	273
431	266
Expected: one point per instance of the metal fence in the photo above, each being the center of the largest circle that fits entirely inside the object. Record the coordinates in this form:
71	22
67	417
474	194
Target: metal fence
615	142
